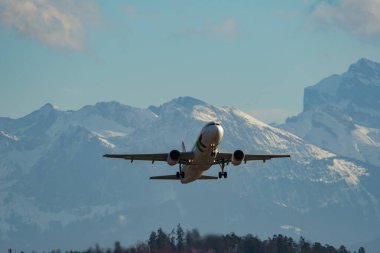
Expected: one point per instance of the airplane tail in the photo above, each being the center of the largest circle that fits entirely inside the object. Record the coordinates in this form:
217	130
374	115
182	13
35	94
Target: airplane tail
183	147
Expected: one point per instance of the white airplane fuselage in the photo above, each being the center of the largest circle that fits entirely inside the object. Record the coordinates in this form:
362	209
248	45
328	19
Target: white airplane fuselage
204	150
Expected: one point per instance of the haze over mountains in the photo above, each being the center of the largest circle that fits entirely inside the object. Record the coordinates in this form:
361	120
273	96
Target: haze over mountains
56	190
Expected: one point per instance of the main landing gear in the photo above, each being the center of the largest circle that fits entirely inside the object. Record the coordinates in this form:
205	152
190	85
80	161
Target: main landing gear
180	173
222	173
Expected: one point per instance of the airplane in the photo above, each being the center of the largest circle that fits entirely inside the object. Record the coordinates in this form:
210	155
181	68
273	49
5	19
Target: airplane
204	154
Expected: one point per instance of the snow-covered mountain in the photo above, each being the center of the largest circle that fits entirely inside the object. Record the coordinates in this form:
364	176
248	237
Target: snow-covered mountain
342	113
56	190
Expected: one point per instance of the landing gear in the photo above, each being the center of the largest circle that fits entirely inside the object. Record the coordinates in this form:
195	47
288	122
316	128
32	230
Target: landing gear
180	173
214	151
222	173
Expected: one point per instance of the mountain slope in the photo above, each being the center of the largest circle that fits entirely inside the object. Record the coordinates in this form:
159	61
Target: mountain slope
58	191
342	113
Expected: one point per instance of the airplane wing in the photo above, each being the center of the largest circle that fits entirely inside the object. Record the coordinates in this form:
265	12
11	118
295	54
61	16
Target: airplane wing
184	157
250	157
226	157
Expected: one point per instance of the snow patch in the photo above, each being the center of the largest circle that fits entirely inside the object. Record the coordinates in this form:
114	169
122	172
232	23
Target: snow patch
109	133
249	119
55	107
280	204
204	114
295	229
363	135
349	171
318	153
31	213
106	143
11	137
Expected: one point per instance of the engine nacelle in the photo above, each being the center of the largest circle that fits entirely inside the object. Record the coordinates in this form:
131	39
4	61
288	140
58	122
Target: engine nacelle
237	157
173	157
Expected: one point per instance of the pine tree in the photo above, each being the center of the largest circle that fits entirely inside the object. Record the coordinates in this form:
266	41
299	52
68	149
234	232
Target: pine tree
304	246
97	248
180	237
163	240
192	238
152	242
342	249
117	248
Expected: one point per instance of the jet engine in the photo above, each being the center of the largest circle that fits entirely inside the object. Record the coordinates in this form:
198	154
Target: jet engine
173	157
237	157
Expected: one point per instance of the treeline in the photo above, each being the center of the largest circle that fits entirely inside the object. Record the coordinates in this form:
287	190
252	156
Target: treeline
191	241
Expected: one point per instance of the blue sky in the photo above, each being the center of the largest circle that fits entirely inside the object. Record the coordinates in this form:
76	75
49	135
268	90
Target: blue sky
254	55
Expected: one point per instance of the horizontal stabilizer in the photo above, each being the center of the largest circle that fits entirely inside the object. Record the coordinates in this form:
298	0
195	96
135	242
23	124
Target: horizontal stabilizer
174	177
208	177
169	177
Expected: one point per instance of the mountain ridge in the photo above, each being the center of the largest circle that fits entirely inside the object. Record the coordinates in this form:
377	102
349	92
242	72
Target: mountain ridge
55	182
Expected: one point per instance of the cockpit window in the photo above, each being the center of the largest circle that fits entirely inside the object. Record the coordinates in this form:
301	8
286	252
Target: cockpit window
213	124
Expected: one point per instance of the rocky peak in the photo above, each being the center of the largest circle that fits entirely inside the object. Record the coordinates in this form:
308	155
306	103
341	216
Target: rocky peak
356	91
366	68
181	103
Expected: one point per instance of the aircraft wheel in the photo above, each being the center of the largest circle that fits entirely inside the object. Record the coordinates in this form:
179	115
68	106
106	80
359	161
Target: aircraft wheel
220	174
177	175
182	174
225	174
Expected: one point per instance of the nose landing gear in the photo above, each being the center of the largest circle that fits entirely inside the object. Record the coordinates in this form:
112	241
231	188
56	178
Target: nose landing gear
180	173
214	150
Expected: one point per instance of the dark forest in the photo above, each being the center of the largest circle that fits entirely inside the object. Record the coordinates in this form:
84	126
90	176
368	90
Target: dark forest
178	240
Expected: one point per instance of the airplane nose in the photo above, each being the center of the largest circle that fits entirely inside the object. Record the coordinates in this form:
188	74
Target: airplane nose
214	132
221	133
218	134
